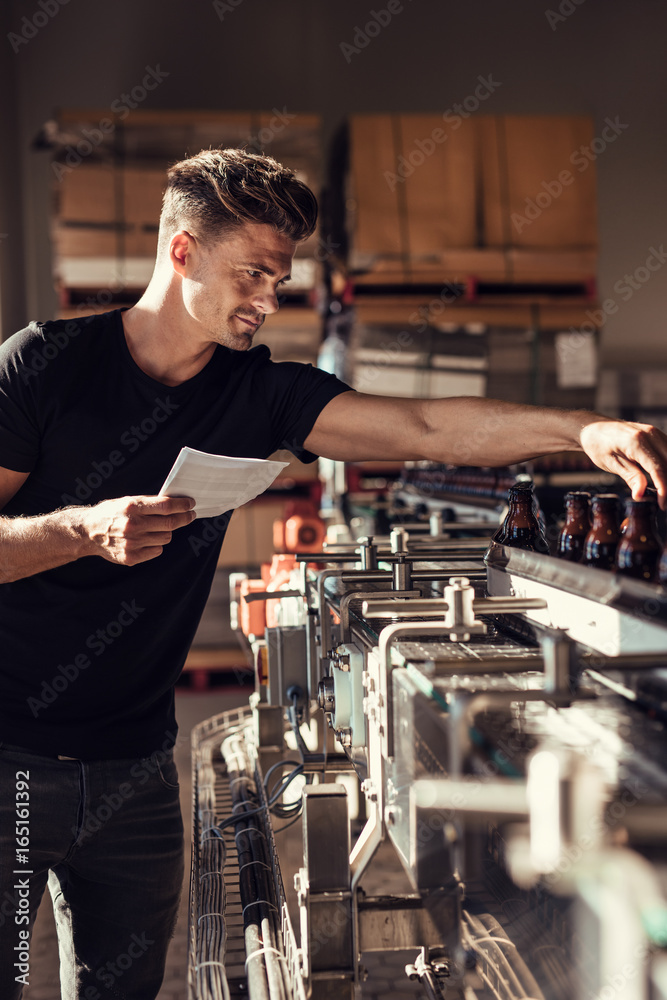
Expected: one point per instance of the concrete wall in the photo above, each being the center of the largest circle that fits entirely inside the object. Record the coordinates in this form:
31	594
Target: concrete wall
599	57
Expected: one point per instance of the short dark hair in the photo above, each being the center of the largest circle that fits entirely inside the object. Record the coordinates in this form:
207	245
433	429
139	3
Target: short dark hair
219	190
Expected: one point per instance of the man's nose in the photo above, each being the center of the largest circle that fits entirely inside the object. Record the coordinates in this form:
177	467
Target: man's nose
266	302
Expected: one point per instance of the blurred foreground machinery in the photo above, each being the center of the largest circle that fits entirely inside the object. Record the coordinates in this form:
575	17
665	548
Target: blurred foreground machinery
455	759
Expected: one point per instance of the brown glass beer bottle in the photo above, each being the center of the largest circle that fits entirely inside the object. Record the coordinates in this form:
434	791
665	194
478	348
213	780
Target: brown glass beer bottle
639	549
570	544
521	528
602	540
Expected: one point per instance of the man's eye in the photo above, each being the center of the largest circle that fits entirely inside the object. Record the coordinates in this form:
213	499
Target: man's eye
254	274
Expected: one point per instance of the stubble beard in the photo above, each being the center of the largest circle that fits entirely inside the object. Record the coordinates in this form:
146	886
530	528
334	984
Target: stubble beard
239	341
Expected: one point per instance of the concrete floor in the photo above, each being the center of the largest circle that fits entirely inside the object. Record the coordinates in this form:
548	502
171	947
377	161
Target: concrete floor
386	980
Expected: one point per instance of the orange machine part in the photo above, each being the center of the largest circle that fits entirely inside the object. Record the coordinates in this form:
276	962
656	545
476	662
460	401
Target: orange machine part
303	532
300	528
282	565
262	665
252	616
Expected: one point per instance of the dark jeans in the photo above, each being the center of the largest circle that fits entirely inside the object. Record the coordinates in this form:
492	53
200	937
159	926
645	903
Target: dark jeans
108	837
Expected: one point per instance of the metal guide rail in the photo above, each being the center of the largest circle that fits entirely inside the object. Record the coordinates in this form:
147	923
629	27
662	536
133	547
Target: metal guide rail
495	798
608	612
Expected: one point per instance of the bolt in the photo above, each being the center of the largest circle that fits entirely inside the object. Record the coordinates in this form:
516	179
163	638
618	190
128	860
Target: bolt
368	788
450	833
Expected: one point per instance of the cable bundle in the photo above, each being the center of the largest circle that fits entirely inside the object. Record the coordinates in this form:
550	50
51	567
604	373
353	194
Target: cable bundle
211	932
266	968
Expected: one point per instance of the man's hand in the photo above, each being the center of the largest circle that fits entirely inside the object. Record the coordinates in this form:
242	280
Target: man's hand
629	450
133	530
127	531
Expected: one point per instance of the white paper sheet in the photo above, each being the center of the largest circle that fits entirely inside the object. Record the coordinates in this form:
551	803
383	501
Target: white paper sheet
576	359
218	483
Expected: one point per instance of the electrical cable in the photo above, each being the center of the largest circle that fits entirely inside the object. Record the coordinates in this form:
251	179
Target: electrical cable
210	931
261	917
273	796
293	714
267	977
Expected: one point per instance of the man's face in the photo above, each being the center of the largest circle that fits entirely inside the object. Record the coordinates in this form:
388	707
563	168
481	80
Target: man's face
235	284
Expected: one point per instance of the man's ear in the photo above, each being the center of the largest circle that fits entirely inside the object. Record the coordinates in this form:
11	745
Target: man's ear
182	249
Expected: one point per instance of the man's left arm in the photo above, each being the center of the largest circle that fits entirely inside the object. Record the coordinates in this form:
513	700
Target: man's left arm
469	430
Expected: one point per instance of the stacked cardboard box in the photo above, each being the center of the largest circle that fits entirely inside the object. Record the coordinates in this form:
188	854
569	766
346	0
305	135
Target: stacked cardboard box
510	198
109	211
108	196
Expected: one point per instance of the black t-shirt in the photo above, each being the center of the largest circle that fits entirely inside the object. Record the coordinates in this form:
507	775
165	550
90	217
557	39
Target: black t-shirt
90	651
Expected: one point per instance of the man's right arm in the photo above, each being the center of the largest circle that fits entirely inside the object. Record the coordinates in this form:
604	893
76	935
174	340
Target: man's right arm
128	531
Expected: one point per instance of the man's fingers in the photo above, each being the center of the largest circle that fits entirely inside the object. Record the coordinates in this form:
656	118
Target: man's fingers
631	450
133	529
147	514
637	482
149	523
160	505
652	459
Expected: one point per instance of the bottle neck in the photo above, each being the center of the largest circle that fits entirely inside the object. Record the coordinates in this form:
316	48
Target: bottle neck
521	507
604	517
576	514
640	522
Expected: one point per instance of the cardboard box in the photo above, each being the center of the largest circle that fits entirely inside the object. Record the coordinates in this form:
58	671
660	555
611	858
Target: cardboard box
86	241
142	195
413	186
425	195
440	193
538	189
249	538
374	149
90	193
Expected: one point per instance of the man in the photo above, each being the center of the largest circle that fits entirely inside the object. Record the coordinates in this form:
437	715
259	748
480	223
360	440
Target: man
103	582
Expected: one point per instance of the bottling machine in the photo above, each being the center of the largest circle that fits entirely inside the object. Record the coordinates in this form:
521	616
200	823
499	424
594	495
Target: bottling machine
455	761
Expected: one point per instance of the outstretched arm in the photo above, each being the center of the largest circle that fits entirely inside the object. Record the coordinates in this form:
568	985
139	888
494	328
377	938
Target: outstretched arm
468	430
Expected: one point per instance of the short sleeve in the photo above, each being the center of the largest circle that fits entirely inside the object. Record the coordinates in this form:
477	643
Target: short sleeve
296	394
19	430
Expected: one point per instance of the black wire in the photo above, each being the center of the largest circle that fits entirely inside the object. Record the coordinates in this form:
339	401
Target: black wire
278	790
239	817
293	713
293	810
274	767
